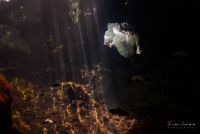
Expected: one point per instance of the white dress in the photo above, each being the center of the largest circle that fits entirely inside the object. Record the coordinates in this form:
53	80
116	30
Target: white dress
126	44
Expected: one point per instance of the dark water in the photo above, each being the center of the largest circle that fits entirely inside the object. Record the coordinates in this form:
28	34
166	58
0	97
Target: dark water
41	44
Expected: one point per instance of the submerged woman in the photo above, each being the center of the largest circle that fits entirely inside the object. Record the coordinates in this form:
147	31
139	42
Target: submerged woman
126	42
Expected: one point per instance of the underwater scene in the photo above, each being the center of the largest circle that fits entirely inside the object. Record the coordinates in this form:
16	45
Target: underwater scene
99	67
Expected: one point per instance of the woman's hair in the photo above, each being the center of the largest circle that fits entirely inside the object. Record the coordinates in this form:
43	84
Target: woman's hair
126	27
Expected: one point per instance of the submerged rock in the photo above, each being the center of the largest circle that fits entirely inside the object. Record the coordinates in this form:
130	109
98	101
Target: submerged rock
119	111
67	108
5	105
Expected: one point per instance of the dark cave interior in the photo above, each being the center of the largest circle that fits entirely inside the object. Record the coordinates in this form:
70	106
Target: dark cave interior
42	48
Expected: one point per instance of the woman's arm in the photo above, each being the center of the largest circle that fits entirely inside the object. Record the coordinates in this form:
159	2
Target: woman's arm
138	51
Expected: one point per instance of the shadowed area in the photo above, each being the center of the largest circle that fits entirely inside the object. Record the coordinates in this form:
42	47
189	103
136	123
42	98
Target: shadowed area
68	79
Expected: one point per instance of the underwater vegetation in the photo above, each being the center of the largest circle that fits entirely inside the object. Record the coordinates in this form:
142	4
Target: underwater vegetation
74	10
66	108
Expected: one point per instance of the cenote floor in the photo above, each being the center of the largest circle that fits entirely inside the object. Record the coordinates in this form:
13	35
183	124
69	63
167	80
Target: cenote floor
58	76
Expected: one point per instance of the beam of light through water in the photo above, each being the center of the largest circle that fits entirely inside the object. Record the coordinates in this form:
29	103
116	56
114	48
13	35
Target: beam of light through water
5	0
93	37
